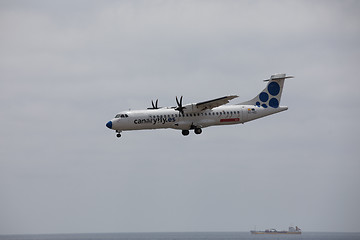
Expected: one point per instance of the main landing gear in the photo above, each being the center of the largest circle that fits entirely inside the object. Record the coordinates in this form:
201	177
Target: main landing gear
185	132
196	131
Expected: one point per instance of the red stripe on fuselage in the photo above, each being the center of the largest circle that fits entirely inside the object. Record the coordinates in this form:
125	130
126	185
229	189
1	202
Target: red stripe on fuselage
230	120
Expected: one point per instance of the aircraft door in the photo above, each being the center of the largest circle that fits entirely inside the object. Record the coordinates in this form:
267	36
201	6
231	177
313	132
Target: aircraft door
244	113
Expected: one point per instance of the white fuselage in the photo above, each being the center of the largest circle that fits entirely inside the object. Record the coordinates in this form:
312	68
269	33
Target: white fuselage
171	118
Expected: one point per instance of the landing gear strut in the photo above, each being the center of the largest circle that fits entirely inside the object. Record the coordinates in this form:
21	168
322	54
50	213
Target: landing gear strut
185	132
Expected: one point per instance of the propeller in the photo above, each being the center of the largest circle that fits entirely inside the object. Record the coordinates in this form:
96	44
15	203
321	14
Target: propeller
180	108
154	106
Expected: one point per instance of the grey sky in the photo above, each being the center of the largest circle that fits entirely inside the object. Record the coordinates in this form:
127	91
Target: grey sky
67	67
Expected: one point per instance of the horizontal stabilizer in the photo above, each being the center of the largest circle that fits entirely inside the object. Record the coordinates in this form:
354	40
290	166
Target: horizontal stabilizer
278	77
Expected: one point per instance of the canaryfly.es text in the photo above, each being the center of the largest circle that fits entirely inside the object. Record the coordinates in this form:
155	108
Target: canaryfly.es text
155	120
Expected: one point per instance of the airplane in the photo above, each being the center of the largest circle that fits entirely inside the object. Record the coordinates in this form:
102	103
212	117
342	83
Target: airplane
196	116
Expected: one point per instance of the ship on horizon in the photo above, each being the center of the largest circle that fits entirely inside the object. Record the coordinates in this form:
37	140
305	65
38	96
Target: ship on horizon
292	230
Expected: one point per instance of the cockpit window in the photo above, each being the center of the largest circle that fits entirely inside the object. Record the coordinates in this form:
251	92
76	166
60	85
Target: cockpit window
121	116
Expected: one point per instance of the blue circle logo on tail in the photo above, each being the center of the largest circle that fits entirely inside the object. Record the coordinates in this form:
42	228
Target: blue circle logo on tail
274	88
274	103
264	96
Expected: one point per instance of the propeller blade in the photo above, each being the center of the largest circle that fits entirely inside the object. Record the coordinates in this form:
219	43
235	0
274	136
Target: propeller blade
180	108
154	105
179	103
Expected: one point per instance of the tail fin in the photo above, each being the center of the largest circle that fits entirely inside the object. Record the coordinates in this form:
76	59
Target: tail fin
271	95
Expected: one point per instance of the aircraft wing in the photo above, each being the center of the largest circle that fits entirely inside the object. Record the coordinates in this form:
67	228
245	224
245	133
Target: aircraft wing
215	102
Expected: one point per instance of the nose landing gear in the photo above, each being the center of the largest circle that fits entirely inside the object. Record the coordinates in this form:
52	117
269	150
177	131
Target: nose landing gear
118	134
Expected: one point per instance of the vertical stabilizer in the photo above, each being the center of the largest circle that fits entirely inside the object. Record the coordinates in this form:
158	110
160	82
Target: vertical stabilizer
271	95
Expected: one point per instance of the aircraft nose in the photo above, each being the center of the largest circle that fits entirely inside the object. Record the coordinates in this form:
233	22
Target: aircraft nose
109	124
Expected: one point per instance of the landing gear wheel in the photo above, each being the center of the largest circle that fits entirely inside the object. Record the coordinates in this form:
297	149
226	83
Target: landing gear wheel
118	135
185	132
198	130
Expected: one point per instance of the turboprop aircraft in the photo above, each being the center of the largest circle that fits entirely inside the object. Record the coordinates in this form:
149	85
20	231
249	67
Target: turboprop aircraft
196	116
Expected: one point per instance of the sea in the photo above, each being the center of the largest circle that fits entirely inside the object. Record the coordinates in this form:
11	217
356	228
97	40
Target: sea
185	236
